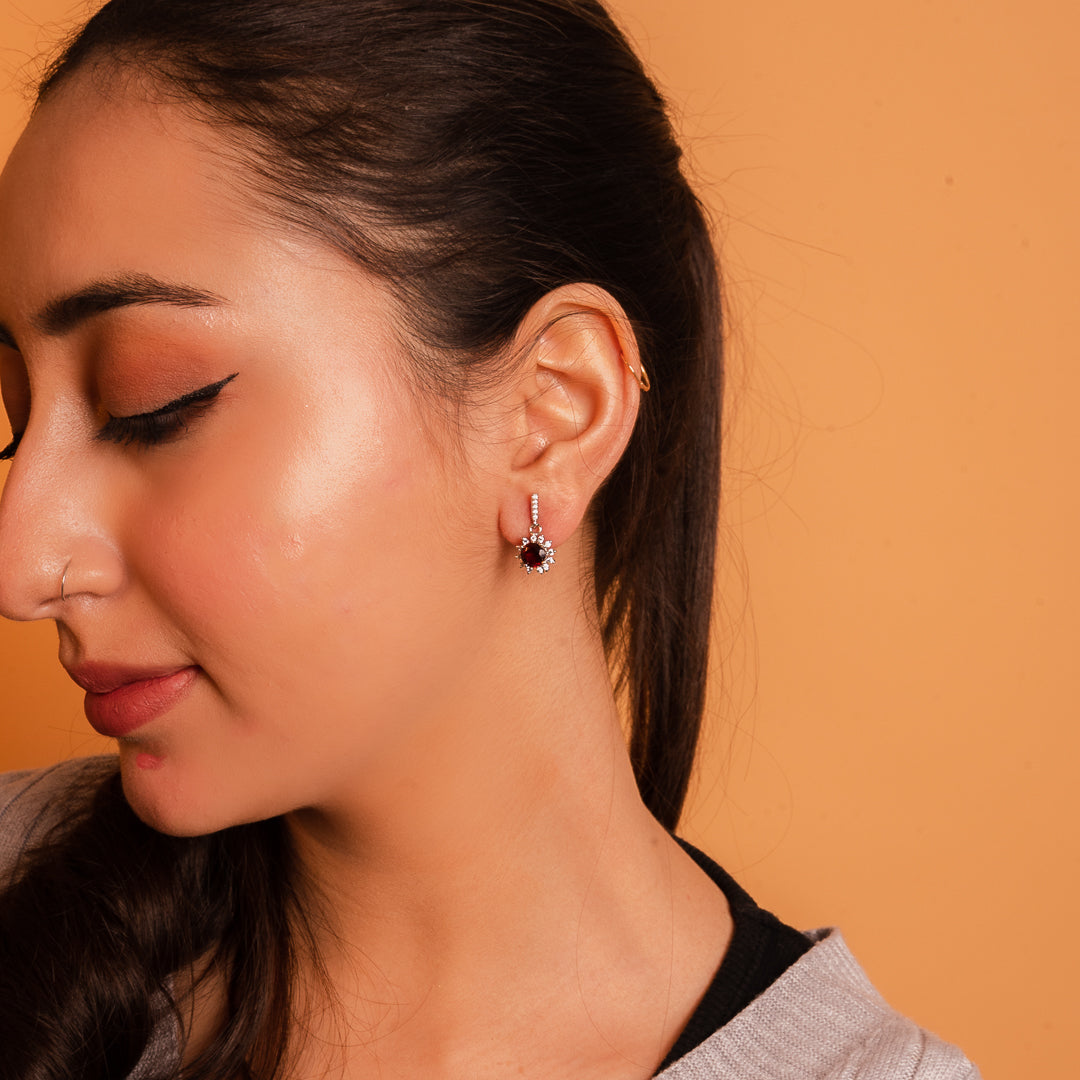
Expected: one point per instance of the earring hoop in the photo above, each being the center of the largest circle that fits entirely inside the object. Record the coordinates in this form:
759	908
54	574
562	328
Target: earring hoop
534	552
640	374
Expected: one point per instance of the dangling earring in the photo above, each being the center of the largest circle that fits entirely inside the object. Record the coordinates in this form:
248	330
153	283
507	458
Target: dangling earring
534	552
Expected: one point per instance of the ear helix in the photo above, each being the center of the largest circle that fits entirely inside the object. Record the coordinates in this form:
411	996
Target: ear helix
534	552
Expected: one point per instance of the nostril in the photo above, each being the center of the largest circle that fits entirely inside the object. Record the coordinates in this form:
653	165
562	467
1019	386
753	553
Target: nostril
94	569
48	555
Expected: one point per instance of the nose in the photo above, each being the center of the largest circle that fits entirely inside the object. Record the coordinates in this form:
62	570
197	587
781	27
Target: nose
55	545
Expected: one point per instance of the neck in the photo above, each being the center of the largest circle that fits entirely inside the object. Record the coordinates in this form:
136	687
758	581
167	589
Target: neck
493	881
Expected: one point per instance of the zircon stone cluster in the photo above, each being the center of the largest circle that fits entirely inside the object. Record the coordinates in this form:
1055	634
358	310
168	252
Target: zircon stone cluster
534	551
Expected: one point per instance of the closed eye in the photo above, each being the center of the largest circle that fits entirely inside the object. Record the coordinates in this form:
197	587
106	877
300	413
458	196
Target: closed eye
162	425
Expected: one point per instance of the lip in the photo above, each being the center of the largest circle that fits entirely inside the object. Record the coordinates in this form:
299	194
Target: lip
120	700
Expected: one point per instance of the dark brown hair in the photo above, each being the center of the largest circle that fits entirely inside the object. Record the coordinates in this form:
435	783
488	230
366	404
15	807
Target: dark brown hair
474	154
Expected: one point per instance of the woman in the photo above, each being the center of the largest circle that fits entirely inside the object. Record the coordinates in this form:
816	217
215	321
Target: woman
363	364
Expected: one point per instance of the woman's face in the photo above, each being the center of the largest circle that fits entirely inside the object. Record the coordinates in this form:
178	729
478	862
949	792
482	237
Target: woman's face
288	554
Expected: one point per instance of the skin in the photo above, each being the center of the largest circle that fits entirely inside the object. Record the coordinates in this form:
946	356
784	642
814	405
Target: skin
437	726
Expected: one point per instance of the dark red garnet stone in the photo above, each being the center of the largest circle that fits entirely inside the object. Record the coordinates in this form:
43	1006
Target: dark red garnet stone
533	554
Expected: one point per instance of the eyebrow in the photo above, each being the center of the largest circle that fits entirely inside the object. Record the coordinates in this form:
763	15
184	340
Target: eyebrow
65	313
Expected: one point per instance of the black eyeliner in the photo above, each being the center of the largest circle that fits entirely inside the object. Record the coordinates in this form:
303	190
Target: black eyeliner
202	394
9	451
157	426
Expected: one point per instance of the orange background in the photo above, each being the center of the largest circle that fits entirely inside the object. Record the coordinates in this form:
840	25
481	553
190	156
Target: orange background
893	740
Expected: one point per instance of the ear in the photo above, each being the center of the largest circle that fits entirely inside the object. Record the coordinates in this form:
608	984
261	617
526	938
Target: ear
574	404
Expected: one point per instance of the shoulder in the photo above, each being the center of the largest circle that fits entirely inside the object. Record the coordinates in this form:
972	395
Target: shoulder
33	801
822	1020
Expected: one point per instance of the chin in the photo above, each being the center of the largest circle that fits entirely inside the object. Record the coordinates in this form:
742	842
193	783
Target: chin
169	802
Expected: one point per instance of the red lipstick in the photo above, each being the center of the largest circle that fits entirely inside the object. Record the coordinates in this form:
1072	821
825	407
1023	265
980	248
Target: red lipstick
120	700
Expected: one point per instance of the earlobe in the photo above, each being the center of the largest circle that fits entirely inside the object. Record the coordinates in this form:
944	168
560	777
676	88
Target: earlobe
577	400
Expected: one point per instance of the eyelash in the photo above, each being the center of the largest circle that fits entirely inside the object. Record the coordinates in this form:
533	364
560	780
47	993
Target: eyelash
150	428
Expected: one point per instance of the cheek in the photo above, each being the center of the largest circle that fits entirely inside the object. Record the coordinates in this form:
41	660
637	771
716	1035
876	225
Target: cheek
323	582
293	553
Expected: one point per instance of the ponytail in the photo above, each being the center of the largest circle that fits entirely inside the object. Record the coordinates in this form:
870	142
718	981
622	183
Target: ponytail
656	539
